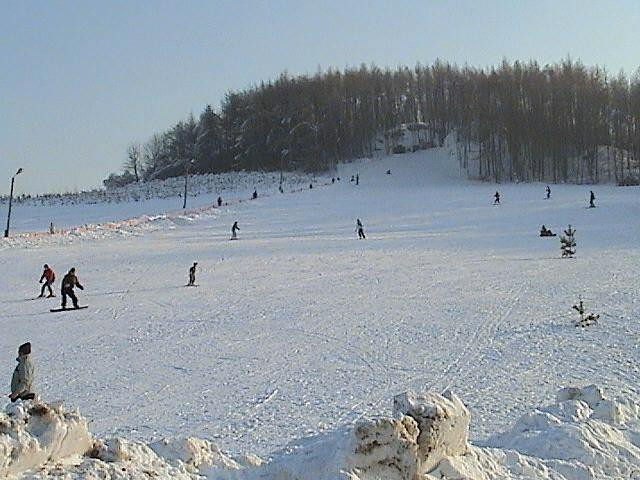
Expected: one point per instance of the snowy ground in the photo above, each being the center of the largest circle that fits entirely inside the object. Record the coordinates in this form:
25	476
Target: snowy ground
298	327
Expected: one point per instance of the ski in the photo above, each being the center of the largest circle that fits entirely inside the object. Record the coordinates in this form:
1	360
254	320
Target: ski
68	309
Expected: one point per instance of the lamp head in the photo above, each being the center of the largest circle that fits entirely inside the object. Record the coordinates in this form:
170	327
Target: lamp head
19	171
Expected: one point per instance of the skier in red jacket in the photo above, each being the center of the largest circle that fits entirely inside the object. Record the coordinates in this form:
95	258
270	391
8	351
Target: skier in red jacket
48	276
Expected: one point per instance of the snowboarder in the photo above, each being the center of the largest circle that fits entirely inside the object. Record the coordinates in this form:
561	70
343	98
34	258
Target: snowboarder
255	194
360	229
48	276
192	274
592	198
234	229
23	376
548	192
219	201
497	199
69	282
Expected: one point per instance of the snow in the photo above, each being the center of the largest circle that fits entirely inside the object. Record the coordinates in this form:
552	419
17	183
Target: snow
568	440
299	330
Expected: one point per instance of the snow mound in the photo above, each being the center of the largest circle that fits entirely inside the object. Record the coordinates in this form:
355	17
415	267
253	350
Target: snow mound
32	433
582	436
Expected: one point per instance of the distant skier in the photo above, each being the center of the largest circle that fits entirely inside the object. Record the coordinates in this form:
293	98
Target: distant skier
592	198
357	179
548	192
69	282
388	172
48	276
280	189
234	229
51	229
192	274
219	201
333	180
311	186
255	194
23	376
497	199
360	230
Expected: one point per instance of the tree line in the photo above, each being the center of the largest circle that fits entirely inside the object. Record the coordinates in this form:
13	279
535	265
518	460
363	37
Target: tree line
518	121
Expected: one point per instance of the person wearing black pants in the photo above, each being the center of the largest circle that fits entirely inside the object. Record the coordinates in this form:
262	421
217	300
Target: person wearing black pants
69	282
360	230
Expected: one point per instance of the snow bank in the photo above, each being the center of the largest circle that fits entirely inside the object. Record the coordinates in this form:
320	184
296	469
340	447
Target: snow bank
33	433
582	436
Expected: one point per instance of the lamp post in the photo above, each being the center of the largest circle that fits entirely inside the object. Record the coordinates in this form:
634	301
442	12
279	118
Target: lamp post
13	179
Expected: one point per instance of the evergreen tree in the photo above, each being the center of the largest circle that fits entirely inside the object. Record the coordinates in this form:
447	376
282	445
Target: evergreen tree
568	243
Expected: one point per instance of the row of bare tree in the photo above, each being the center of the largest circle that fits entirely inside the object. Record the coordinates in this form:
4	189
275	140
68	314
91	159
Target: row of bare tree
516	122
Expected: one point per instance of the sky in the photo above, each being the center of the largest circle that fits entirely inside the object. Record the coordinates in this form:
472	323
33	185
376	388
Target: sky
81	80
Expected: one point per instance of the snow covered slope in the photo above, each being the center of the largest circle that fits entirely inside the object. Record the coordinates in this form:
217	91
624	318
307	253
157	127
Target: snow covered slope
298	328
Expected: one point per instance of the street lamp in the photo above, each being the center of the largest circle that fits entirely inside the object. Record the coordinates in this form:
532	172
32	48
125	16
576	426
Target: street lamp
13	179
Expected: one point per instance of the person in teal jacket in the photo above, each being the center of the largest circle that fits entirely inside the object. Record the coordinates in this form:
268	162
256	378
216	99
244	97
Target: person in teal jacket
23	376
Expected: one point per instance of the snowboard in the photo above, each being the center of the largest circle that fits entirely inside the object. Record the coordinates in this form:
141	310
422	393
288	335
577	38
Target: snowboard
192	285
68	309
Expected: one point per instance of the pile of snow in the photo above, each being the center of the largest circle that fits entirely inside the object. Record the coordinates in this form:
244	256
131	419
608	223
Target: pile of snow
583	435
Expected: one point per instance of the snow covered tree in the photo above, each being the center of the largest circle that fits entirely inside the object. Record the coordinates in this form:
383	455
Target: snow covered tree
568	243
585	319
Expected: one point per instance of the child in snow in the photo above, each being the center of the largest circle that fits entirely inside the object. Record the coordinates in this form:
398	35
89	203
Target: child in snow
234	229
69	282
497	199
192	274
23	376
48	276
360	229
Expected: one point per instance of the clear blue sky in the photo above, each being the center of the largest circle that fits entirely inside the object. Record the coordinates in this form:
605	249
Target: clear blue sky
82	79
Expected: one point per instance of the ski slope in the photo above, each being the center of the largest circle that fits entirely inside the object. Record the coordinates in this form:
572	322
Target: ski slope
298	328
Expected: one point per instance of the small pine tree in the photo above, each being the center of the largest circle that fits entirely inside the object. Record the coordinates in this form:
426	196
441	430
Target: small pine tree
568	243
585	320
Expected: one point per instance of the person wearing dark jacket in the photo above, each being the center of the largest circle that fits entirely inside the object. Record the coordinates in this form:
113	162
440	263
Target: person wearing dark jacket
69	282
592	198
192	274
234	229
360	230
219	201
23	376
255	194
497	199
48	276
548	192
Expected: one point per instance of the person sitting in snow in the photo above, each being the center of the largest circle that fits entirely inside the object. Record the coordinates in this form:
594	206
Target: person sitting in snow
192	274
23	376
497	199
48	276
545	232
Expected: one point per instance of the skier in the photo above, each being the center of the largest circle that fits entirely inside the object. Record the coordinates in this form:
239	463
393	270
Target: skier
69	282
388	172
360	229
192	274
548	192
48	276
280	189
497	199
255	194
592	198
333	180
219	201
234	229
311	186
51	229
23	376
357	179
